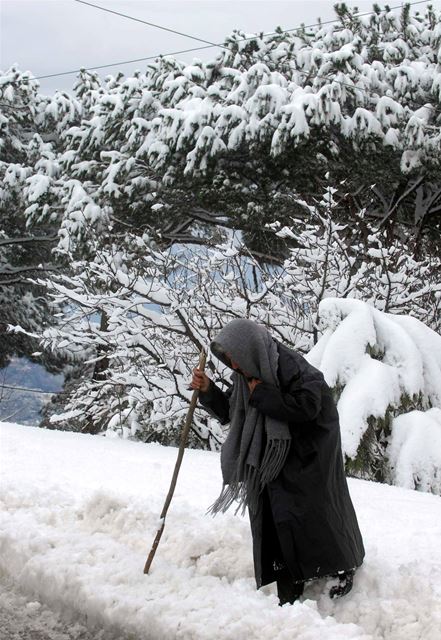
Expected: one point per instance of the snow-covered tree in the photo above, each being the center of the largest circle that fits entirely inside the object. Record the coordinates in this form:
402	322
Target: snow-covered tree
237	139
160	308
355	259
24	252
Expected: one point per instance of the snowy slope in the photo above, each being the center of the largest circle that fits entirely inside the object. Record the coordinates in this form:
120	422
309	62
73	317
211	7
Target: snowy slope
79	514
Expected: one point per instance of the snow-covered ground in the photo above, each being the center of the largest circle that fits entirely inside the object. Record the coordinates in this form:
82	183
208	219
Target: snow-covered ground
78	516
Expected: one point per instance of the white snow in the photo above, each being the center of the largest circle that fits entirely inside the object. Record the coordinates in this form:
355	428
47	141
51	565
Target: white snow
78	518
415	451
38	186
368	393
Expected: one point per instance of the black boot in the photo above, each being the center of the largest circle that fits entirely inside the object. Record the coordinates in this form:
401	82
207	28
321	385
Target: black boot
345	581
287	590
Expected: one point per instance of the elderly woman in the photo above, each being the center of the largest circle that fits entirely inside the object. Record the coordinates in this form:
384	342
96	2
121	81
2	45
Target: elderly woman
282	459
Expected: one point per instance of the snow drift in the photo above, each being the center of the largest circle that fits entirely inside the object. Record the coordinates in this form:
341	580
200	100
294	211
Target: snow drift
79	514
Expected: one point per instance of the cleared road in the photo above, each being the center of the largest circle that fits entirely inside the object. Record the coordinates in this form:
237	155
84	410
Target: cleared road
22	618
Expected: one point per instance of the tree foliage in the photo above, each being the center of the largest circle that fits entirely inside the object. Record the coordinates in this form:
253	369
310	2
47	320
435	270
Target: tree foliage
24	253
236	139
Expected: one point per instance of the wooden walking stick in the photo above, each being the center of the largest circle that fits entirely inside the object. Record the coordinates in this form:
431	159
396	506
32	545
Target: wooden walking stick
184	436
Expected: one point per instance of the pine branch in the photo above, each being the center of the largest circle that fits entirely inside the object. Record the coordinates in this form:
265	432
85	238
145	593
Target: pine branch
25	239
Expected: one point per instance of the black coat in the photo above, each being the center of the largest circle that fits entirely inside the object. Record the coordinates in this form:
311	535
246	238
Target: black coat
305	520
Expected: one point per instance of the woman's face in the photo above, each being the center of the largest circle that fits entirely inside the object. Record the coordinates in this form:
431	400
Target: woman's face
234	365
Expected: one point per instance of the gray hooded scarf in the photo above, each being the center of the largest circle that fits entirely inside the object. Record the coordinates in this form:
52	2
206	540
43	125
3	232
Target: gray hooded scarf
257	445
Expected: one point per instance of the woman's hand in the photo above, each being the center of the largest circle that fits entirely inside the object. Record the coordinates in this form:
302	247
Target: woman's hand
252	384
200	380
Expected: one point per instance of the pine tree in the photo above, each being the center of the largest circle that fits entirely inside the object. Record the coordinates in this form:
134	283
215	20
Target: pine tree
24	252
238	139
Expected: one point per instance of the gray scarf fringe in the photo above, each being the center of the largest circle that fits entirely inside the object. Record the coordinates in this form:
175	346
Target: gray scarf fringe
247	492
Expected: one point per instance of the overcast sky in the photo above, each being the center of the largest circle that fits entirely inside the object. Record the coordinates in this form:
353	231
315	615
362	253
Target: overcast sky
52	36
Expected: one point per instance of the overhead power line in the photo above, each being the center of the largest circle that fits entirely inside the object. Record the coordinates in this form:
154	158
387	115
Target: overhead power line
208	46
27	389
116	64
150	24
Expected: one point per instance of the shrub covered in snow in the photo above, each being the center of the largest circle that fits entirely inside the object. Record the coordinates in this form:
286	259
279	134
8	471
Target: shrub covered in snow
386	374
